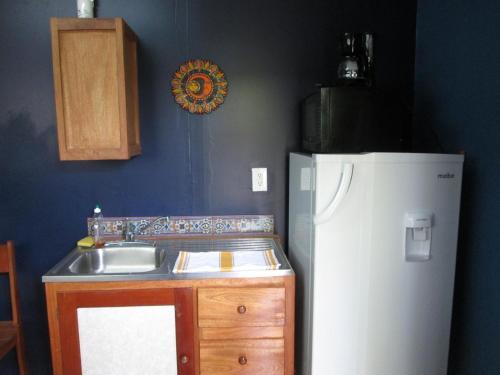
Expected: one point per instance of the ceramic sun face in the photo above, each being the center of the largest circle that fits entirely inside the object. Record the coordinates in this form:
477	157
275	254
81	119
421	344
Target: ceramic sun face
199	86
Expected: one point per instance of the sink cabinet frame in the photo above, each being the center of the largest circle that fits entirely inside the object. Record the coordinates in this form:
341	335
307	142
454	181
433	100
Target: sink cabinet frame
194	336
69	302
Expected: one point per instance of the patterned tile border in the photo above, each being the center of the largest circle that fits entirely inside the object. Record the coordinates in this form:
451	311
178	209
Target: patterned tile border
160	226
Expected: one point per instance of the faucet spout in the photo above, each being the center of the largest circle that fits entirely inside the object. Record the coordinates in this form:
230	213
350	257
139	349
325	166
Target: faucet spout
129	231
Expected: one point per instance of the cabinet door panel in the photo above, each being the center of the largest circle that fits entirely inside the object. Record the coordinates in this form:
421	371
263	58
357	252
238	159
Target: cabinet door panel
73	305
90	89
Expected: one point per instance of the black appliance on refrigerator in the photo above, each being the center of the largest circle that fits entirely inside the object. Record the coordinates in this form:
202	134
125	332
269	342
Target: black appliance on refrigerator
346	117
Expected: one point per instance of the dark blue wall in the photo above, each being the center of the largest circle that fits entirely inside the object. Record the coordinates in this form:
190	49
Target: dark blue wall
273	52
457	96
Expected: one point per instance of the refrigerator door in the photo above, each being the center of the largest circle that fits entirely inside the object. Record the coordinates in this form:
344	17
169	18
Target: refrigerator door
339	255
376	310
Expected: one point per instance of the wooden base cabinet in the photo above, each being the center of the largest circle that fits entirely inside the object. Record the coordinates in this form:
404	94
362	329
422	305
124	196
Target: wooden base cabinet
220	326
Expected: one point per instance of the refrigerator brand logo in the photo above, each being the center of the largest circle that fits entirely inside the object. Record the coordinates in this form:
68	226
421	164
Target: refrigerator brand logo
446	175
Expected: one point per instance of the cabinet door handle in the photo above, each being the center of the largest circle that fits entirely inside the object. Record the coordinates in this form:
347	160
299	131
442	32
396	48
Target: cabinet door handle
242	309
242	360
184	359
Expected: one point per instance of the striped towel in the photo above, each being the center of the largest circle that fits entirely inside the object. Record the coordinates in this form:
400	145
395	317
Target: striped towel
226	261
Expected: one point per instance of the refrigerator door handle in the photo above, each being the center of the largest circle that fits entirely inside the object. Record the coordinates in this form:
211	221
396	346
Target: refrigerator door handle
345	182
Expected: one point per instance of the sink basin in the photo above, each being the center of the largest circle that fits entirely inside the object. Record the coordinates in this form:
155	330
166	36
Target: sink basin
118	258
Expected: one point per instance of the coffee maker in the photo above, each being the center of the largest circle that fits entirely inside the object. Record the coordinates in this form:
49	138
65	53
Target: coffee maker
356	65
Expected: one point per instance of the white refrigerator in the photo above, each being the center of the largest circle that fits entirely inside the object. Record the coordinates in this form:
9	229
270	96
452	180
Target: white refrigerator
373	239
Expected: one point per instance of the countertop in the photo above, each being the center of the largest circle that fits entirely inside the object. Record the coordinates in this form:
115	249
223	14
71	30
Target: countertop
61	271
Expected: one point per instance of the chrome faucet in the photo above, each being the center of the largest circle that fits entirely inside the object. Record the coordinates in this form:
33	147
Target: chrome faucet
130	232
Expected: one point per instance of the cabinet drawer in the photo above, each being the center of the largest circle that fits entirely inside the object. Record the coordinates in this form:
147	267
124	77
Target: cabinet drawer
225	357
248	307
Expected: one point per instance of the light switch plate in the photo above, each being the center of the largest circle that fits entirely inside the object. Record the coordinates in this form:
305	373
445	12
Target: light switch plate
259	179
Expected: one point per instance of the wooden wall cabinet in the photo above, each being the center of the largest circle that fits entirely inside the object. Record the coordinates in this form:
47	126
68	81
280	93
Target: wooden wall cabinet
96	90
224	326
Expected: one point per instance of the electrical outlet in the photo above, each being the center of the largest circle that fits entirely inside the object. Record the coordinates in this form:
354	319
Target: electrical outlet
259	179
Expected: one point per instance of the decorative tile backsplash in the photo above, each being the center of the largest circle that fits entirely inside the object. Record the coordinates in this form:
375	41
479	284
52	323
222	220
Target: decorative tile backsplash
160	226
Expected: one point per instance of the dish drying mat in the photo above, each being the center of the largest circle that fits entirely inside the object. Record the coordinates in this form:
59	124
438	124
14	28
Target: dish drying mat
226	261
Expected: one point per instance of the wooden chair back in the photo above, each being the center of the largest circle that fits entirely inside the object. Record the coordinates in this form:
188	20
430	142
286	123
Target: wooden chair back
11	334
8	265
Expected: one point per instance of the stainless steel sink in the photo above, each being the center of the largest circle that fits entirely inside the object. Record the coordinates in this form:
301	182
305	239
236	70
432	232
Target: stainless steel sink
119	258
141	261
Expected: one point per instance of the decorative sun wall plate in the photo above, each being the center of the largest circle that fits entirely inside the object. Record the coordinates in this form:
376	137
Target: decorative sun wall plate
199	86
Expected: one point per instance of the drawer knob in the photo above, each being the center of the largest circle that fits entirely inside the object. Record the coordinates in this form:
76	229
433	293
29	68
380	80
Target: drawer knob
184	359
242	360
242	309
